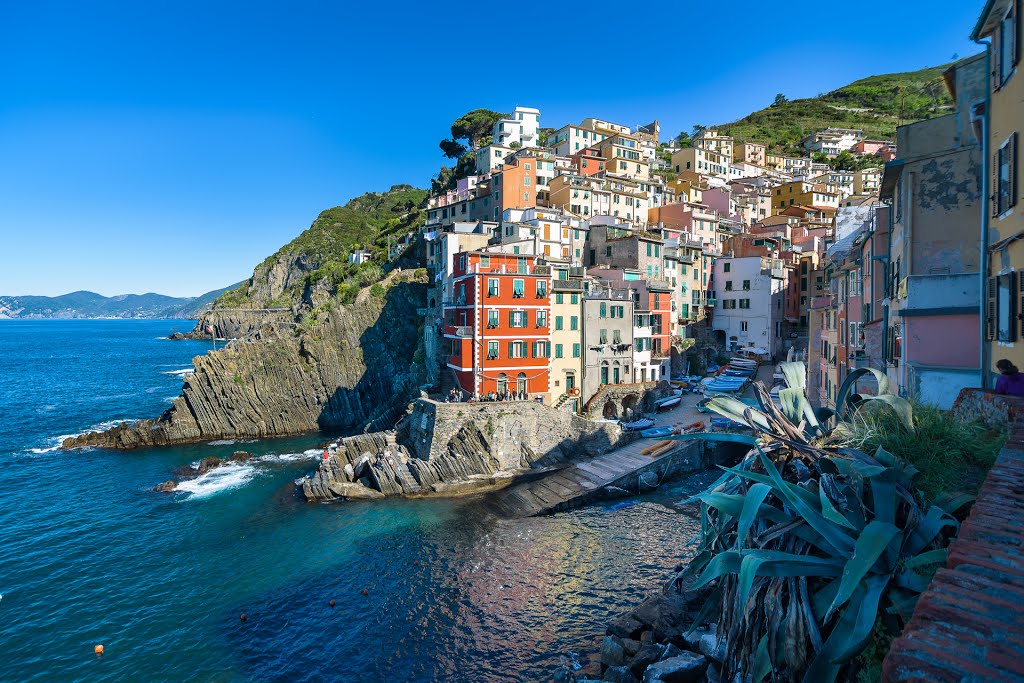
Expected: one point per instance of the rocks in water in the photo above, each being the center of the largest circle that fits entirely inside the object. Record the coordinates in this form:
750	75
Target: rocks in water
711	647
240	456
648	654
166	486
619	674
612	653
177	336
687	667
208	463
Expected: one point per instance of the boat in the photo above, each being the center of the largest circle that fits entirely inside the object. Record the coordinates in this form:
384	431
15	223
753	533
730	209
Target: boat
667	402
726	423
656	432
637	425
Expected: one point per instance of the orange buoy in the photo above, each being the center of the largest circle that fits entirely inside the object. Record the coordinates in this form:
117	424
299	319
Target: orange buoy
332	603
243	617
98	649
366	592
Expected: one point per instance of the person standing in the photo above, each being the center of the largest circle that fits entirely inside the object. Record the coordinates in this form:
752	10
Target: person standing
1011	381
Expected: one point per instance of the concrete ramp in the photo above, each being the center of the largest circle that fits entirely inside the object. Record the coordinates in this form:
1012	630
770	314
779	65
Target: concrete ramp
620	472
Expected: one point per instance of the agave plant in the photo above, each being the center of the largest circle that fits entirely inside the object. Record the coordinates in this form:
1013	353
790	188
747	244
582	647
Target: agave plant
805	543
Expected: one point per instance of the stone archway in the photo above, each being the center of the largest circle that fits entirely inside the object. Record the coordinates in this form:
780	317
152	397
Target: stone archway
610	412
629	406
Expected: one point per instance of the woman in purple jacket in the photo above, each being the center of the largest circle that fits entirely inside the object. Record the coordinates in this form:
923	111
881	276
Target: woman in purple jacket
1011	382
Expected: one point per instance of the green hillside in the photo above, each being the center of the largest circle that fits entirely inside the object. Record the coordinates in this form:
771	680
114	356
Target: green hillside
872	104
85	304
371	221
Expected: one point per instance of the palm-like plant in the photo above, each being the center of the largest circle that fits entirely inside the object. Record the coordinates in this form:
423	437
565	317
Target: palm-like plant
804	542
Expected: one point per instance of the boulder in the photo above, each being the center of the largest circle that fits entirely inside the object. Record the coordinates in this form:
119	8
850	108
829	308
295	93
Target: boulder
208	463
631	646
612	653
625	626
177	336
648	654
240	456
353	491
167	486
619	674
710	647
685	668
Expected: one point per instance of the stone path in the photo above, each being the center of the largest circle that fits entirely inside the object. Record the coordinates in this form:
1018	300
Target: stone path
581	482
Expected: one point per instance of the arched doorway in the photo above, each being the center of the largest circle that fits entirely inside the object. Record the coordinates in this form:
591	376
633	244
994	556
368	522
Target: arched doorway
610	412
502	384
521	383
629	406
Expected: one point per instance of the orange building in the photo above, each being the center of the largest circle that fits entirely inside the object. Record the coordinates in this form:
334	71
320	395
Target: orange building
516	186
498	324
588	161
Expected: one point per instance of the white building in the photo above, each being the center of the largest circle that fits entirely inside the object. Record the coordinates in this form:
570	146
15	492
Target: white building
523	128
832	141
569	140
749	295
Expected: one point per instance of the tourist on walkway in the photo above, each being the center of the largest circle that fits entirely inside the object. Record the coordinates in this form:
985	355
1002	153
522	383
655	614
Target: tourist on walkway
1011	382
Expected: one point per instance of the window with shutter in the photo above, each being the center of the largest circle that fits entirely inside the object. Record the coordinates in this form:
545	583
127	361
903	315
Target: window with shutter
1006	307
990	309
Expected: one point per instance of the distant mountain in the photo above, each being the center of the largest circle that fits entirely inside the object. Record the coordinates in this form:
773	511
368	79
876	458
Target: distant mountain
876	104
92	305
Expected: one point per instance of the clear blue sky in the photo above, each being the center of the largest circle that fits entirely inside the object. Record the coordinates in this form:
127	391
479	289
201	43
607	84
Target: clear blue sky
169	147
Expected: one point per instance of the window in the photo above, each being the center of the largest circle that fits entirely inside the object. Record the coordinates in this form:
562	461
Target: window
729	303
540	349
492	287
1006	178
602	336
744	303
492	318
542	318
558	322
542	289
1007	52
517	349
1006	305
558	350
575	350
603	310
574	299
746	285
728	285
518	289
726	267
485	261
608	251
743	326
574	322
492	350
517	318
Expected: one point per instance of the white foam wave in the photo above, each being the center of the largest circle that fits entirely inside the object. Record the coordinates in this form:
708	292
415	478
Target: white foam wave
221	442
311	454
181	372
218	480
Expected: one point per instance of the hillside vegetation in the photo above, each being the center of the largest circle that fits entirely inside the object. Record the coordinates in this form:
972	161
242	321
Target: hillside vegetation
873	104
318	257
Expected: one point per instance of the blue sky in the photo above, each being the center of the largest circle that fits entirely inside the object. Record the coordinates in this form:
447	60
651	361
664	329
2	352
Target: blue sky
170	147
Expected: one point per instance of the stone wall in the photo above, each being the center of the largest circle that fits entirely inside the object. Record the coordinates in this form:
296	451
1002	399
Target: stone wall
995	410
626	401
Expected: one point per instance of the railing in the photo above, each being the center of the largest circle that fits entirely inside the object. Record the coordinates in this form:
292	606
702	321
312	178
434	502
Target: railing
464	331
567	285
457	301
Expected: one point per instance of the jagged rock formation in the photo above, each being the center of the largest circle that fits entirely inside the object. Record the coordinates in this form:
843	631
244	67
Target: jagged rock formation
444	448
354	365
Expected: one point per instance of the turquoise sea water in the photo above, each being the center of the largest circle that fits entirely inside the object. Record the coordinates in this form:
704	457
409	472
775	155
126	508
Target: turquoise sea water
90	554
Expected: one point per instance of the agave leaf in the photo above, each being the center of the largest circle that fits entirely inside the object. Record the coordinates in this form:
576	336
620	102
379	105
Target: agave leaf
777	563
830	512
901	406
871	543
751	506
792	403
912	581
903	602
850	634
951	502
883	499
796	375
840	542
851	380
734	409
727	562
925	531
762	663
937	556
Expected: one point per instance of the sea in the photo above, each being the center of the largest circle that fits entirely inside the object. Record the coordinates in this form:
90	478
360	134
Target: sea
424	590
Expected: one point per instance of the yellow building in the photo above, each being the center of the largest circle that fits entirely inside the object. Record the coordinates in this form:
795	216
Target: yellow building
1000	22
703	161
749	152
803	193
623	157
867	181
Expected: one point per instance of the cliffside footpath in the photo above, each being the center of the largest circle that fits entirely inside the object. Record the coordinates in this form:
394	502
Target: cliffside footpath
319	342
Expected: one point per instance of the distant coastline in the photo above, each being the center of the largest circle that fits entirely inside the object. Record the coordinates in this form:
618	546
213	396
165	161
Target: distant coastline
92	306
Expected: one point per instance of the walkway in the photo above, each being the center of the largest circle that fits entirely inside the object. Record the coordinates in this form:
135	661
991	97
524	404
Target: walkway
584	482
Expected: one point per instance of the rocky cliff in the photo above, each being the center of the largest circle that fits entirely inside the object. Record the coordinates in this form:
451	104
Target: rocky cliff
345	366
444	448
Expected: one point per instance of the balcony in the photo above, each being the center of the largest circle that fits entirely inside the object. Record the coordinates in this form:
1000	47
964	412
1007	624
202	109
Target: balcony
710	303
457	301
777	273
567	285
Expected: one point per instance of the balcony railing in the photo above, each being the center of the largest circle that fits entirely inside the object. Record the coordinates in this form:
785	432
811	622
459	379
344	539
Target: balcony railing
464	331
457	301
567	285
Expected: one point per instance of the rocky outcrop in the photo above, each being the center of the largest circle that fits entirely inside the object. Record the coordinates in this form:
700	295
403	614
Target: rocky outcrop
452	448
351	366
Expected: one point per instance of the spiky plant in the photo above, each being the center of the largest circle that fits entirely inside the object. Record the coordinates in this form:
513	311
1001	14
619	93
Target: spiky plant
806	543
